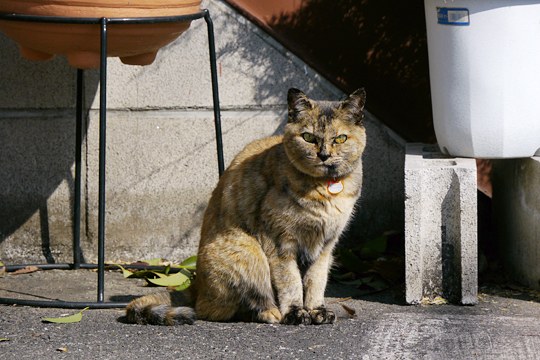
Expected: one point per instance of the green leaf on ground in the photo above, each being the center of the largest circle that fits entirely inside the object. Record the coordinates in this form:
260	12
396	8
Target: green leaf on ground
4	339
190	263
173	280
184	286
143	274
125	272
159	274
180	280
66	319
154	262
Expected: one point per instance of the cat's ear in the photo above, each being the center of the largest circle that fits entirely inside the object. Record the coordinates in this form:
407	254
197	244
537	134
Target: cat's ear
354	105
298	102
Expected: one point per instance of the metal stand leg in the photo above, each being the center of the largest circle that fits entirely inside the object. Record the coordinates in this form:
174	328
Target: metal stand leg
78	164
215	92
102	168
77	254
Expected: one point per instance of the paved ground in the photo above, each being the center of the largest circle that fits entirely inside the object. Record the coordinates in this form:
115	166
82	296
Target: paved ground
504	325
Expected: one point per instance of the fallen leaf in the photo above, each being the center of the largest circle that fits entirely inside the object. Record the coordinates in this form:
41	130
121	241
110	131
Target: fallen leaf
349	310
140	274
25	270
340	300
66	319
190	263
4	339
125	272
437	300
154	262
62	349
2	269
177	279
182	287
159	274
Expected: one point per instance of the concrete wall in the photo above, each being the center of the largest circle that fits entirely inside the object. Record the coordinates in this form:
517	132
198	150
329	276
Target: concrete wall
161	162
516	206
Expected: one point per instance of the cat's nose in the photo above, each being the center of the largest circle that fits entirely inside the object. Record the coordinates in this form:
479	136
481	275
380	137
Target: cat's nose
323	156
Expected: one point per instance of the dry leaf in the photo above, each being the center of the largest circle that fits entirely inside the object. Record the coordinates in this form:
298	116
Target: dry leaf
125	272
26	270
437	300
62	349
349	310
338	300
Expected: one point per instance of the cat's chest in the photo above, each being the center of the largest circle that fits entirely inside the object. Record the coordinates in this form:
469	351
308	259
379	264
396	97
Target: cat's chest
334	213
314	214
321	226
332	199
325	211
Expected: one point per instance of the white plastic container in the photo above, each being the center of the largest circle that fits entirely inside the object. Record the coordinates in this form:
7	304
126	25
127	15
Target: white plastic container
484	62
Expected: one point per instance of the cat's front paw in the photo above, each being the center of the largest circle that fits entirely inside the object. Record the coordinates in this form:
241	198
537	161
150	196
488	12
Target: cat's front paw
322	315
296	316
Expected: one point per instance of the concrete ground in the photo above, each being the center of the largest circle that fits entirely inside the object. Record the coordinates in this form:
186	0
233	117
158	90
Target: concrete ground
504	325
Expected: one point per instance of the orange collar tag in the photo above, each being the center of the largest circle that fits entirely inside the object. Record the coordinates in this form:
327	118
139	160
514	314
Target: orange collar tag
334	187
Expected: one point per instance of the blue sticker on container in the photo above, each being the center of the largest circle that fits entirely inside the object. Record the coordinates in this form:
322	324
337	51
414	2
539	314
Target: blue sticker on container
453	16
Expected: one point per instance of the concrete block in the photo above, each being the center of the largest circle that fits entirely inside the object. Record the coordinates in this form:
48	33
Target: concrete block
516	205
440	226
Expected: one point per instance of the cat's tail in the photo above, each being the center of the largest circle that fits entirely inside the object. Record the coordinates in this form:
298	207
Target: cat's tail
160	309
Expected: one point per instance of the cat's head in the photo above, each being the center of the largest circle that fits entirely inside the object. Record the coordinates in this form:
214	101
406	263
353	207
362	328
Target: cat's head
325	139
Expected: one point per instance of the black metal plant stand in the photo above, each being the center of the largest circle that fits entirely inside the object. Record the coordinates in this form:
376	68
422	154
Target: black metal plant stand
103	23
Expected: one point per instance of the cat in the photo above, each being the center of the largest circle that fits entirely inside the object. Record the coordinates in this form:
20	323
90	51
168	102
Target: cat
272	223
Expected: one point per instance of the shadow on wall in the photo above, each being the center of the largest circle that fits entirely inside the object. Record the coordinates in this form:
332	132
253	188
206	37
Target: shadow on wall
37	138
379	44
269	71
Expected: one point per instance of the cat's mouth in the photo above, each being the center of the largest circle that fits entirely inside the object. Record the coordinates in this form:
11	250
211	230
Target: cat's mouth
331	170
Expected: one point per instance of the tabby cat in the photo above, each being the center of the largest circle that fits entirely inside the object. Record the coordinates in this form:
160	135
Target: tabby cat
272	223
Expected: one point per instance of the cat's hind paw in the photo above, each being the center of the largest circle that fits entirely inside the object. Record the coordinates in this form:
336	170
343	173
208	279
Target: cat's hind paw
296	316
322	315
270	316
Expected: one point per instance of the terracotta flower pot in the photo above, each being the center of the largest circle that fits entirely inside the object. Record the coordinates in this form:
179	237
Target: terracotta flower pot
135	44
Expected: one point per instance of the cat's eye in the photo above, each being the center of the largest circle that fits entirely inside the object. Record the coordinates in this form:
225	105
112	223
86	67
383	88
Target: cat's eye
309	137
340	139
